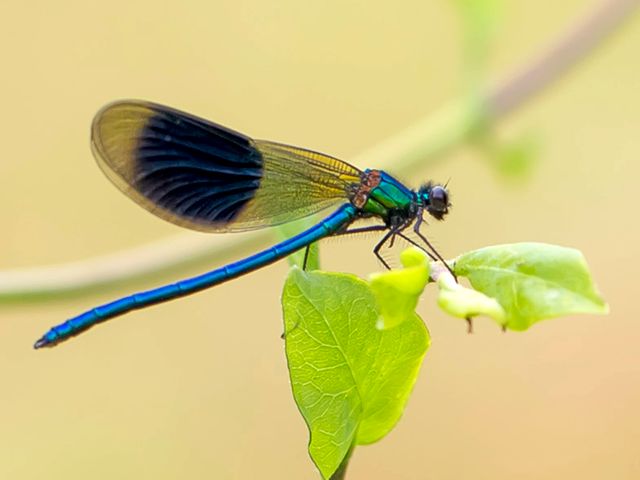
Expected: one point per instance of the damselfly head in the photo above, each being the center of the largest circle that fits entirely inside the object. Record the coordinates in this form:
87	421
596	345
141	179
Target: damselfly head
435	200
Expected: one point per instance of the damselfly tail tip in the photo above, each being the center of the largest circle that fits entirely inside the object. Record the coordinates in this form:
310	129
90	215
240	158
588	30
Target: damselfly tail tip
43	342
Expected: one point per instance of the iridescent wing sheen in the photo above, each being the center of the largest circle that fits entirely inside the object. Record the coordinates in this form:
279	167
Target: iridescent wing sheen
206	177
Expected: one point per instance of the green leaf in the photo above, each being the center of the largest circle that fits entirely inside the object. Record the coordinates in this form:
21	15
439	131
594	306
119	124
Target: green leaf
350	380
532	281
464	302
397	291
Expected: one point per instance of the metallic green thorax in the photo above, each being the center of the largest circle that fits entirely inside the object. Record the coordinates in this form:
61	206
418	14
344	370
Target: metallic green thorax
388	197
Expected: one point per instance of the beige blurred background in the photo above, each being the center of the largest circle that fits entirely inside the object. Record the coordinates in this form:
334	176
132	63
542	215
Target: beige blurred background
198	388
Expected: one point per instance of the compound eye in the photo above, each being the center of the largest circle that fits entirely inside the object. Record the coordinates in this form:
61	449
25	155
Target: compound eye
439	199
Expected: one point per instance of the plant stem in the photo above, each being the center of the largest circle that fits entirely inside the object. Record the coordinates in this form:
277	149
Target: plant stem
340	473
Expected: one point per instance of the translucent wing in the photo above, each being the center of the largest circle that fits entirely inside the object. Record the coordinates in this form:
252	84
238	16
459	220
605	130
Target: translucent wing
206	177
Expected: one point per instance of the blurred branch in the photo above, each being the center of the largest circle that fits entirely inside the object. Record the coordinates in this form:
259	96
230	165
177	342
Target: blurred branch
424	142
560	56
134	265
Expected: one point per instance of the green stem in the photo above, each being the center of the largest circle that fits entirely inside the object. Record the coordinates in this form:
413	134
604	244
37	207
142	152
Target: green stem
340	473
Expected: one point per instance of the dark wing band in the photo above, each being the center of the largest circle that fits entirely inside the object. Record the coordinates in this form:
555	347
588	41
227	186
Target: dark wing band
203	176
